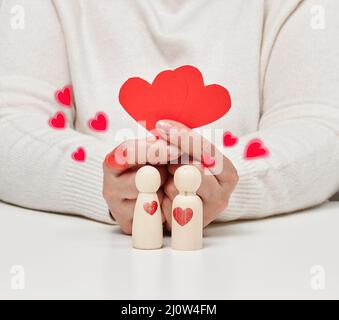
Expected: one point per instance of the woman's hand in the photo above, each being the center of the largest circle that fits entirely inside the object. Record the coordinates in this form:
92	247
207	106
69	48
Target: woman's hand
218	181
120	168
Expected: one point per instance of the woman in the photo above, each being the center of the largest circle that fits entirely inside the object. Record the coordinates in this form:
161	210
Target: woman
279	61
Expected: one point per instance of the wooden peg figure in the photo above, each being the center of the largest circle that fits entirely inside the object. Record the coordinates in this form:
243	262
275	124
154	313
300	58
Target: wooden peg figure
187	210
147	230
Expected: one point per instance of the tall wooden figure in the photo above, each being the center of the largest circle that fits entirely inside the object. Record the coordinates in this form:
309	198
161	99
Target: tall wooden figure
147	230
187	211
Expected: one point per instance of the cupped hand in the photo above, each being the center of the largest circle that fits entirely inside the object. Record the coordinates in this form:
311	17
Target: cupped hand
219	176
120	167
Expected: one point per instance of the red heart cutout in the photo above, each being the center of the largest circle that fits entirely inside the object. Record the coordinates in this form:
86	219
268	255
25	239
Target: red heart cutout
99	122
58	121
229	140
79	155
178	95
64	96
151	208
182	216
256	149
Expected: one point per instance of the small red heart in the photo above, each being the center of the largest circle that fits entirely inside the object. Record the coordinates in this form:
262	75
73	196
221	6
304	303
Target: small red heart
207	161
79	155
58	121
99	122
64	96
229	140
182	216
151	208
256	149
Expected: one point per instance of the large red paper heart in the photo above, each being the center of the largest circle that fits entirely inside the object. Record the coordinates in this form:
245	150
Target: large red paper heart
79	155
256	149
64	96
151	207
182	216
99	123
178	95
58	121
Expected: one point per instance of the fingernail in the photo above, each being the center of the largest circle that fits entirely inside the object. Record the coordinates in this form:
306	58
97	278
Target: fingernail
155	134
117	159
151	139
207	161
164	127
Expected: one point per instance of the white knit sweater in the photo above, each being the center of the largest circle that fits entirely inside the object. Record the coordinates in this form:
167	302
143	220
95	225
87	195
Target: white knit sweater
279	59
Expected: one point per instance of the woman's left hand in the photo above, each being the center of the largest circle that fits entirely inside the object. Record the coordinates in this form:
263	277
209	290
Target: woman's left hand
218	180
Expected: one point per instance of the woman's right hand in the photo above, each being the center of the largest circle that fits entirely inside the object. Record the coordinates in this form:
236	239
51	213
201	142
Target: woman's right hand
120	167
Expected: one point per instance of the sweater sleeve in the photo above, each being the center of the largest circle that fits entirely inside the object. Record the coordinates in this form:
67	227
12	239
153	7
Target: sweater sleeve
36	166
299	123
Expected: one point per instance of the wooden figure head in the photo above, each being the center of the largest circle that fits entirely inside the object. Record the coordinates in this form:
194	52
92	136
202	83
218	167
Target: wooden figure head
148	179
187	179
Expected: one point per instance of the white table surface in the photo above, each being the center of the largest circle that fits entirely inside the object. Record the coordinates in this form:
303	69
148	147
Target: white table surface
69	257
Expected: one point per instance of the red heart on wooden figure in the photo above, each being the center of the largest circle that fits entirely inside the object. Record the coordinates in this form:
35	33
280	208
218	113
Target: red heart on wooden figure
99	123
256	149
182	216
79	155
178	95
64	96
151	208
229	139
58	121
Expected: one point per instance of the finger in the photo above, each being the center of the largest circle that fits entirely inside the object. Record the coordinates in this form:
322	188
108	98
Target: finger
213	209
209	184
170	189
116	161
171	168
195	146
160	152
160	194
208	220
122	210
133	153
126	182
163	174
127	189
167	210
123	214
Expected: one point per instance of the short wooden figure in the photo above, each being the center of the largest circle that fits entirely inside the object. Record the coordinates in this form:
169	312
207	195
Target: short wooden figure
187	210
147	230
